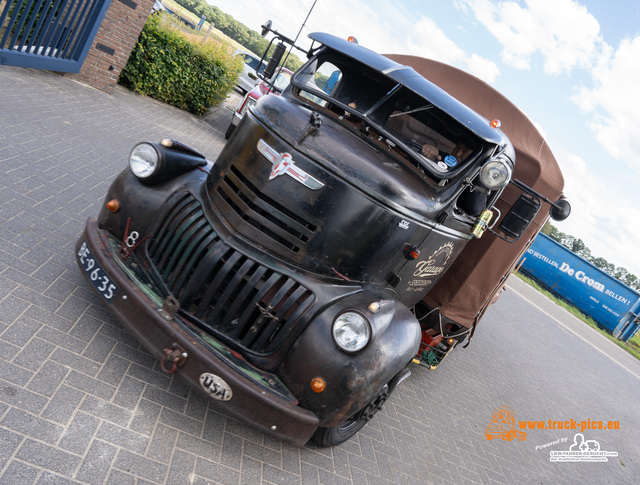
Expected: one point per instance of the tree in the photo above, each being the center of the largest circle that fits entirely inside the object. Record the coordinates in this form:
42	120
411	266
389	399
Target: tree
620	273
604	265
567	240
239	32
580	248
631	281
553	232
586	254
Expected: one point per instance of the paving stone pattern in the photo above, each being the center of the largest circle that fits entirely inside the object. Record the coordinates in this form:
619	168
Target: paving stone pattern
82	402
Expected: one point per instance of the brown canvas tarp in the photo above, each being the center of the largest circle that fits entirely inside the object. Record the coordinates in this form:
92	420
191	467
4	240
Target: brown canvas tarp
466	289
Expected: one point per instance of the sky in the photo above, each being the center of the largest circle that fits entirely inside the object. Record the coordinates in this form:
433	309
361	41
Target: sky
573	67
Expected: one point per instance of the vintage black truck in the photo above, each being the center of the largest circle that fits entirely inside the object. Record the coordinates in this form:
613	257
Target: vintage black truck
290	279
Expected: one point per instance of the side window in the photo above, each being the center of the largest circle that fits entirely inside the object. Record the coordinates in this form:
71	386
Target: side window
342	79
329	84
417	133
282	81
427	131
326	78
251	61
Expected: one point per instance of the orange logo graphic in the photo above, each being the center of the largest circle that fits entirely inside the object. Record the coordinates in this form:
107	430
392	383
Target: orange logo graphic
503	425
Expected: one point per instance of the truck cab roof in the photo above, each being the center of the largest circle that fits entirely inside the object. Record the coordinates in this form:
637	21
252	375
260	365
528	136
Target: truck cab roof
408	77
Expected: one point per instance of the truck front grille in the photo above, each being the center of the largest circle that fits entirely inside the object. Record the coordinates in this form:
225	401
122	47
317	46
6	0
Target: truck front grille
248	209
220	289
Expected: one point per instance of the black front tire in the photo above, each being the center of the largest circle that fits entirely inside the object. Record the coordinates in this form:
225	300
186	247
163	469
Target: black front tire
340	433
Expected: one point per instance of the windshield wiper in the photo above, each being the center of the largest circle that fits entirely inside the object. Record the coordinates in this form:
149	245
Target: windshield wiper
384	99
417	110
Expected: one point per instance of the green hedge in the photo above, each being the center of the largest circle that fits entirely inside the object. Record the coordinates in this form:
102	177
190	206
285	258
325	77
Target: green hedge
165	65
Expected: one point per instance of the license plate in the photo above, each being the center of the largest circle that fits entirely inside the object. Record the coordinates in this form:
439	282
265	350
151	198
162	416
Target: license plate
98	277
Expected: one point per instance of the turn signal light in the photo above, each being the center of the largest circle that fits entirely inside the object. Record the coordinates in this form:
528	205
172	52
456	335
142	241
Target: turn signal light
113	205
411	252
318	385
495	124
375	306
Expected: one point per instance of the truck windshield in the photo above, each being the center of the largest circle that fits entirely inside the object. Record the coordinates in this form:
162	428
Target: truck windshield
353	90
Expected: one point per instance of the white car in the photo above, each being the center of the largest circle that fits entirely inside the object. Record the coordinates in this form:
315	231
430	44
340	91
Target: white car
280	83
248	78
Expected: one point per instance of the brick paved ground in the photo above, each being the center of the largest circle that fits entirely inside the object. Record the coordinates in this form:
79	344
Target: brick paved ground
81	402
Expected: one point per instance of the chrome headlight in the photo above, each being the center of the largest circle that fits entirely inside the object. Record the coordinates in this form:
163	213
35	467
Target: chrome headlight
143	160
495	174
351	331
155	162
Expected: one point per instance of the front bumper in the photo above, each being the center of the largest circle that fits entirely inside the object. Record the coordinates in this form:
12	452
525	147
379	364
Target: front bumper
252	401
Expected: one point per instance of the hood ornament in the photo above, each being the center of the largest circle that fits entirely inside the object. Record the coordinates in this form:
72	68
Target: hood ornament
283	164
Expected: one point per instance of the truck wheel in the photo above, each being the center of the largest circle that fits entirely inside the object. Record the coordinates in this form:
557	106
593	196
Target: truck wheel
342	432
230	131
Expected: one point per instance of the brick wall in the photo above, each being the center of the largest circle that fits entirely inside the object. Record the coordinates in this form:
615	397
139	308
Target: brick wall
113	43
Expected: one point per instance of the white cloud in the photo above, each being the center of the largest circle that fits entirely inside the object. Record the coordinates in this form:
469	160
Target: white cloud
426	39
384	29
608	229
614	103
562	32
482	67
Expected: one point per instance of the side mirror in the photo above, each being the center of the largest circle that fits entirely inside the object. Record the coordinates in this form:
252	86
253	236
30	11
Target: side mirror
266	28
560	210
273	63
525	209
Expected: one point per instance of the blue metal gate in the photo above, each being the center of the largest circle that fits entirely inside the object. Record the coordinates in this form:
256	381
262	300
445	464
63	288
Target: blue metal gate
49	34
